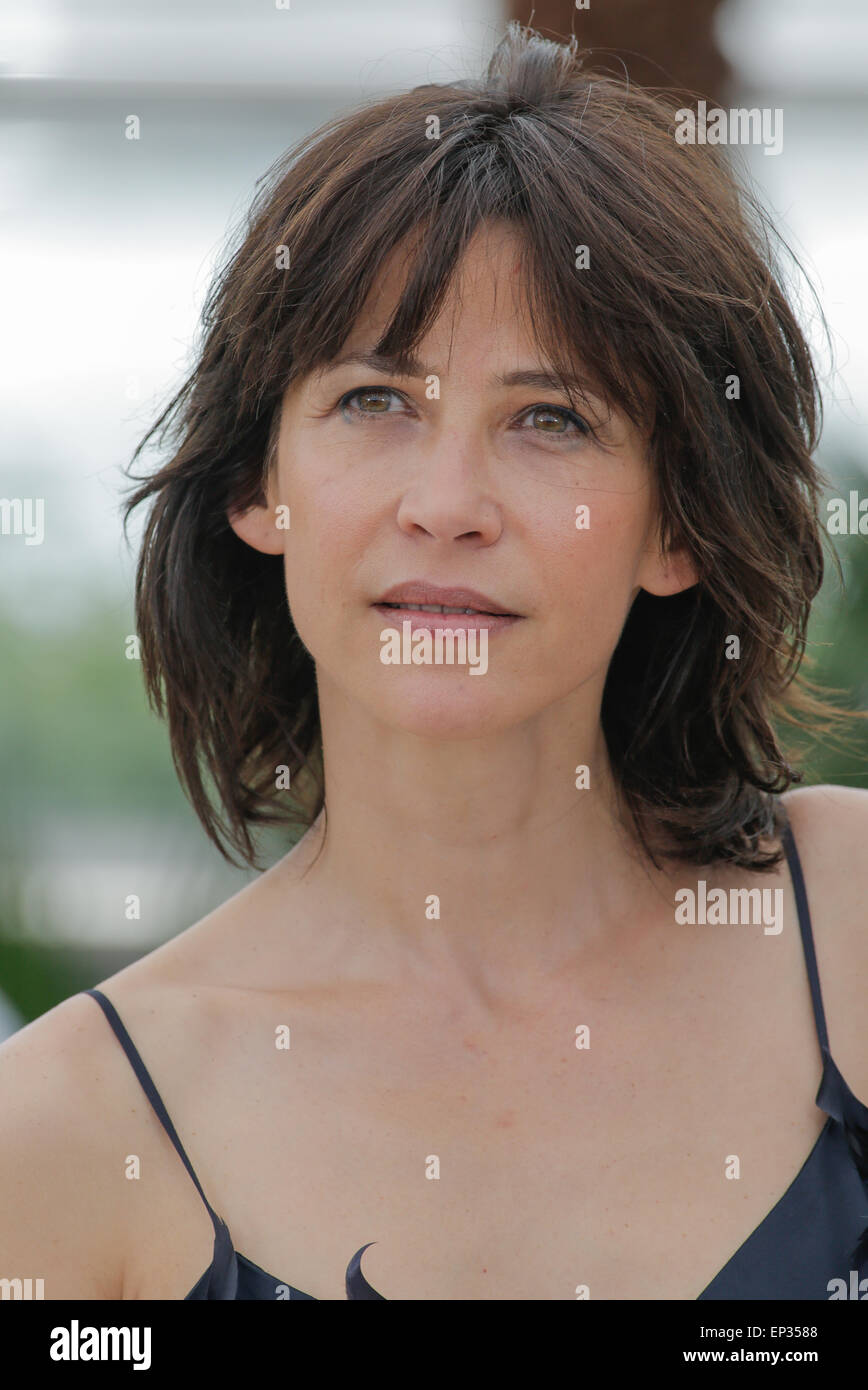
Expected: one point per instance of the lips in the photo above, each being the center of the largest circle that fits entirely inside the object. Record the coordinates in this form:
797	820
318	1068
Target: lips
418	595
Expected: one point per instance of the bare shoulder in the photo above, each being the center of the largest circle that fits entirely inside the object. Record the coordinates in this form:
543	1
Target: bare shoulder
839	814
830	829
74	1113
61	1209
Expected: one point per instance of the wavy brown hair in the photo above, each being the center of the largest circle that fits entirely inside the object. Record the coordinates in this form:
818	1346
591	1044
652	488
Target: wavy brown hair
682	296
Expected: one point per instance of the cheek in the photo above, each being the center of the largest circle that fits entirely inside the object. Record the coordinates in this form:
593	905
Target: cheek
327	535
591	571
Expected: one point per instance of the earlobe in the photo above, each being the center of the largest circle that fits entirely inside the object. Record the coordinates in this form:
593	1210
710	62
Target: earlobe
669	573
258	527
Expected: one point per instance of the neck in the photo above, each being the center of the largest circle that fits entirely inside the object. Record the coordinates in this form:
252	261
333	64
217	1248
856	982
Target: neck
474	866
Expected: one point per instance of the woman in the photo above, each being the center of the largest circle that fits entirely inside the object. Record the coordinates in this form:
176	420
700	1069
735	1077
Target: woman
531	1009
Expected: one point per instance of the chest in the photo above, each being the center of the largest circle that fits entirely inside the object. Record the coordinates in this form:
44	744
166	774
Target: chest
503	1165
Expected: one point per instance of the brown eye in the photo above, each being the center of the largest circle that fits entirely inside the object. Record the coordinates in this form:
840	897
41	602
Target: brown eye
554	417
376	395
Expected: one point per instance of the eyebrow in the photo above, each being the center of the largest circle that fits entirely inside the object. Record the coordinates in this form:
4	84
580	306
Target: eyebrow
539	380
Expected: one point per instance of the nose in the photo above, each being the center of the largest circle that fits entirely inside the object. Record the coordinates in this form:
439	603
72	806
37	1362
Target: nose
450	496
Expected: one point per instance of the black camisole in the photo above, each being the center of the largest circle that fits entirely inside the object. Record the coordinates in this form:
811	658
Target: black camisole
815	1234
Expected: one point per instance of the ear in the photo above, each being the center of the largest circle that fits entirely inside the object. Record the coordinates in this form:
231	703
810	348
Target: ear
263	525
667	572
258	526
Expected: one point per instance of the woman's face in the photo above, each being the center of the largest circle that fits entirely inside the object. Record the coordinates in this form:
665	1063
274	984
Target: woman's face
457	479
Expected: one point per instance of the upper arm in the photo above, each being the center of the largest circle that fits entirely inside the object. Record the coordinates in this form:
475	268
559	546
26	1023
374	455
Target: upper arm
61	1182
830	828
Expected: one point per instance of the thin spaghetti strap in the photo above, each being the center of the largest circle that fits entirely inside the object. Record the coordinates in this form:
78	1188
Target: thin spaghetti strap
798	878
150	1091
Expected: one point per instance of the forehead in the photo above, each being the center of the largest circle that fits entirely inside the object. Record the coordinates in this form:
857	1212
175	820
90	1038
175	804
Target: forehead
486	293
492	306
484	309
